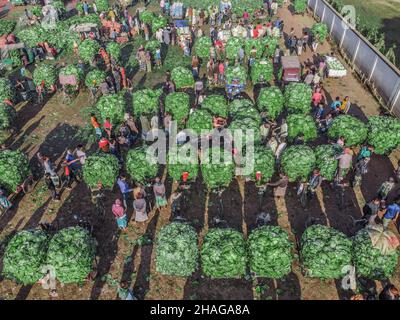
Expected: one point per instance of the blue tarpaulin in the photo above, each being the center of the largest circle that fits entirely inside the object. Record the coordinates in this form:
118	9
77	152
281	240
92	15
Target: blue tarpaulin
181	23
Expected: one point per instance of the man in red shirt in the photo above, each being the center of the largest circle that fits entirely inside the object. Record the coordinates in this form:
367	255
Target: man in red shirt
108	127
104	145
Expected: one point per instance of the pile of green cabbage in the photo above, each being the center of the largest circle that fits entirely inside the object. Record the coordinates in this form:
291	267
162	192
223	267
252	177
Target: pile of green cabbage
223	254
236	73
369	261
271	43
216	105
324	252
264	162
178	105
297	162
245	124
200	120
102	5
146	102
72	70
102	168
262	71
326	162
94	78
183	159
353	130
232	47
270	252
177	251
202	47
112	106
299	124
217	167
258	44
158	22
320	30
114	50
71	252
238	106
182	77
383	133
7	116
298	98
6	90
25	256
152	46
14	169
300	6
271	100
240	6
45	72
88	50
146	17
6	26
140	165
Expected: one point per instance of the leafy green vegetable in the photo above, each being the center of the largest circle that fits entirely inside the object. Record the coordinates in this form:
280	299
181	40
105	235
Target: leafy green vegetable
114	49
325	251
102	168
250	112
94	78
146	102
200	120
158	22
217	167
232	47
353	130
300	6
264	162
71	253
320	30
88	49
216	105
177	252
102	5
14	169
325	161
175	58
15	56
46	73
383	133
271	101
25	255
239	105
298	98
7	116
183	159
223	254
240	6
369	261
178	104
146	17
299	124
140	165
72	70
270	252
297	162
32	36
271	43
182	77
202	47
236	73
6	90
152	46
112	106
262	71
246	124
258	44
6	26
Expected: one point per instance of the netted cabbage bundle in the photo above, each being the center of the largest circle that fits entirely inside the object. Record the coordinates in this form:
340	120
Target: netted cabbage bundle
15	57
141	165
25	256
102	5
383	133
354	131
244	125
300	6
6	26
45	72
270	252
223	254
326	162
299	124
369	261
177	251
297	162
271	100
262	71
298	98
76	20
178	105
240	6
271	44
239	106
200	121
217	167
146	102
232	47
72	70
264	162
325	252
216	105
114	50
71	253
102	168
146	17
320	30
7	116
236	73
94	78
112	106
14	169
158	22
258	44
205	4
183	159
88	50
152	46
6	90
182	77
202	47
32	36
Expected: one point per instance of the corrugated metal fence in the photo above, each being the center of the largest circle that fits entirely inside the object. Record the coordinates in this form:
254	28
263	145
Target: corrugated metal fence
374	68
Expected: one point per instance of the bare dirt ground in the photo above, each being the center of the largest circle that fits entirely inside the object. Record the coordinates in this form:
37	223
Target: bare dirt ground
52	127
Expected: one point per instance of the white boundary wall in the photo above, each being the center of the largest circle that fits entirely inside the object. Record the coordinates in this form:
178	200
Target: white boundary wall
364	57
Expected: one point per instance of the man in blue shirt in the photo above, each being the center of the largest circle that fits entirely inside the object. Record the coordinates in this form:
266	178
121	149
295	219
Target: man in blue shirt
335	106
125	189
392	213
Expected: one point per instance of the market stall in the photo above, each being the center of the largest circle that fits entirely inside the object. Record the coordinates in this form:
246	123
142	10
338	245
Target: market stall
183	31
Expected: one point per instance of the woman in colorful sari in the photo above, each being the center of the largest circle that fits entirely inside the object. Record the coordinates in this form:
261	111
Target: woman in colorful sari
159	193
120	214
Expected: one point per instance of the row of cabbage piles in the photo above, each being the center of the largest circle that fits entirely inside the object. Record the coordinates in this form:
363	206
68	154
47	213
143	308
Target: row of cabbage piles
268	252
69	253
